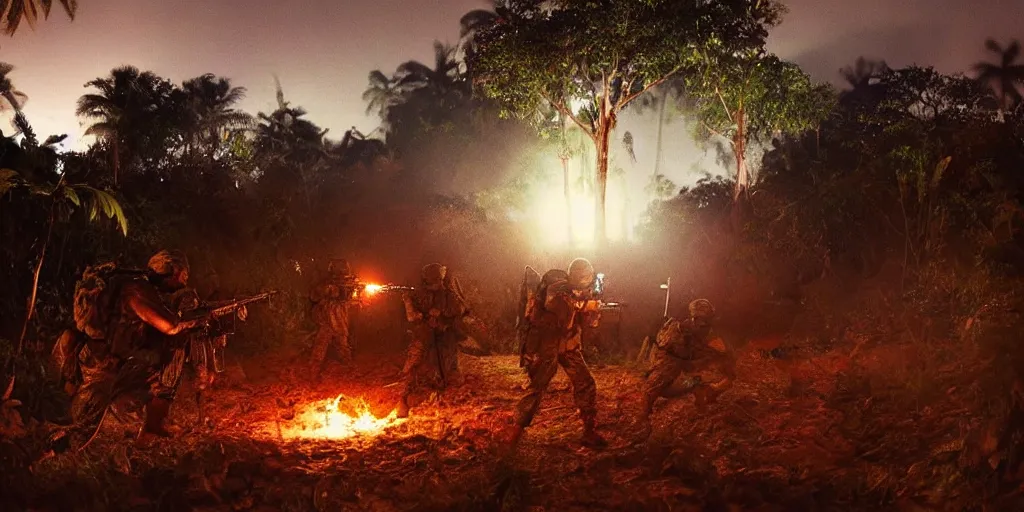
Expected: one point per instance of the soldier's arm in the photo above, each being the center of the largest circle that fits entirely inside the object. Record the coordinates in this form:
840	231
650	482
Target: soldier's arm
412	313
559	301
456	307
672	338
144	301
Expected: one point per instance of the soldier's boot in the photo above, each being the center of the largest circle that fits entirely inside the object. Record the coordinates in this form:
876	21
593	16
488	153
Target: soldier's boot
403	407
156	417
154	425
591	438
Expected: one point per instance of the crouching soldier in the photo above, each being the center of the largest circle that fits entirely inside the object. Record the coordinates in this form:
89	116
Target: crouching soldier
682	347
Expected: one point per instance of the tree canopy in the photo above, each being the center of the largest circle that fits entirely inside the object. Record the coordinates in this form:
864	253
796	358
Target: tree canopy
591	59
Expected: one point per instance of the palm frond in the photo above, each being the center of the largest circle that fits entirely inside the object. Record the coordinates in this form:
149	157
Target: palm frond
105	203
1011	53
993	46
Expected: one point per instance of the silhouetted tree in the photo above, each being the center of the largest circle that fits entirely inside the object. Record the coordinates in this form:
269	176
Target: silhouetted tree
381	94
1004	77
29	11
441	81
210	114
128	107
10	97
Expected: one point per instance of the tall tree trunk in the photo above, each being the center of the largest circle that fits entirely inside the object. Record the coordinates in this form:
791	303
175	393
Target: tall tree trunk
35	280
739	148
661	126
568	197
603	145
116	146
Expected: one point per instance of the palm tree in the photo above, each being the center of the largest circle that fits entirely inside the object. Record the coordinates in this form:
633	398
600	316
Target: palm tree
209	111
10	98
288	145
1004	77
440	80
14	11
861	74
122	109
381	94
470	26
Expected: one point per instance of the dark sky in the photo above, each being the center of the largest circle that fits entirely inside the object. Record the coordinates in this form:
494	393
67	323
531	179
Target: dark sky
323	49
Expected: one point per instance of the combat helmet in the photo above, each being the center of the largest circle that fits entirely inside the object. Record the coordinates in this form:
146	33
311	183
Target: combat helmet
166	263
339	266
702	309
581	274
433	275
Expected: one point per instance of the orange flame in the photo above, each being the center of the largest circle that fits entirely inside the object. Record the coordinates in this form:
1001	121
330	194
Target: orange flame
372	289
326	420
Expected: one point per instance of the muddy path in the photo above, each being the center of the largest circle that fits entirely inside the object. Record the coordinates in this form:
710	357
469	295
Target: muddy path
794	437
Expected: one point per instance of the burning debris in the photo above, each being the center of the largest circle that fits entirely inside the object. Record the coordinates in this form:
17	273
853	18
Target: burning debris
337	418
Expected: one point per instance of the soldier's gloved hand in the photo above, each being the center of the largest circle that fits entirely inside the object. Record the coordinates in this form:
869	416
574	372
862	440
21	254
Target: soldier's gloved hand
242	312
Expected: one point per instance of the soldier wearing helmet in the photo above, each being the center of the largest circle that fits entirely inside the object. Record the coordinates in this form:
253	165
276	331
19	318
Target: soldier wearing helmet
433	310
552	339
680	345
123	367
332	298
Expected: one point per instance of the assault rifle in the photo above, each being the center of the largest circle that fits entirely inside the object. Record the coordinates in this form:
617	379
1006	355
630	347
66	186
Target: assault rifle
209	342
223	308
596	300
374	289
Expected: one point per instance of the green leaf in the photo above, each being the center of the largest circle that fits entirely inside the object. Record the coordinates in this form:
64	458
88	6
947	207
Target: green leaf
108	204
72	196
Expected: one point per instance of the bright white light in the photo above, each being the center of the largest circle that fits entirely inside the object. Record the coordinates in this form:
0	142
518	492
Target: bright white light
552	217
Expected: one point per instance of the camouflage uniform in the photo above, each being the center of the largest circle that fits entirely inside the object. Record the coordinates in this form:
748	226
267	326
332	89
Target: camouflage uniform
680	346
195	347
129	367
553	339
332	299
434	310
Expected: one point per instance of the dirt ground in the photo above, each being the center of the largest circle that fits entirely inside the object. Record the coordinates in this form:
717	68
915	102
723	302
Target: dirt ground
787	436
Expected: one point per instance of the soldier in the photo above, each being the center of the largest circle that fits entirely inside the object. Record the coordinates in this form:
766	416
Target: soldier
552	339
121	364
200	348
433	309
679	346
332	298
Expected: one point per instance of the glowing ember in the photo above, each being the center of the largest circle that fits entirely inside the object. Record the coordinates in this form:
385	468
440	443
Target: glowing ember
337	418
